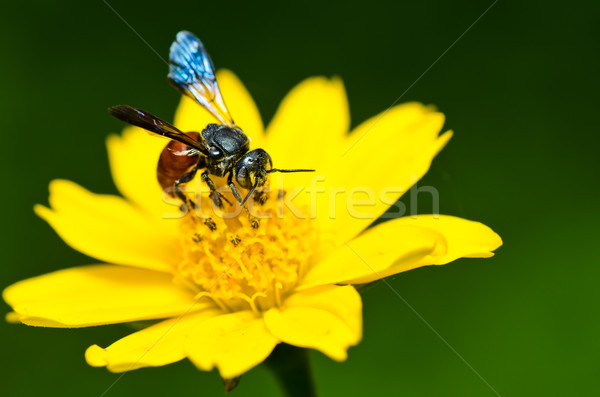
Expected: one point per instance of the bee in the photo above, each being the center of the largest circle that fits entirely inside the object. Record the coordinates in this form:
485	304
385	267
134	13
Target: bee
220	150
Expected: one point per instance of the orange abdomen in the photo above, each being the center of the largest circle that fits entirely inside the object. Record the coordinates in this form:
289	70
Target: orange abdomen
174	162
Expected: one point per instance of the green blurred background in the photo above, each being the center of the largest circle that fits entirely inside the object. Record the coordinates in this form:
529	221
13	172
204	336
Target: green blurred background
520	90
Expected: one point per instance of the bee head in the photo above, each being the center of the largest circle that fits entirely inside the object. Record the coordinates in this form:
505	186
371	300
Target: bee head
252	169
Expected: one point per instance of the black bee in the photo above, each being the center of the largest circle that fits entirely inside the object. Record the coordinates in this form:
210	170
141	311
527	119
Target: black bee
220	149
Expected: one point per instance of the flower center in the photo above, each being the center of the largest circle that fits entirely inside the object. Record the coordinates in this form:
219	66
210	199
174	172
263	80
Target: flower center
241	267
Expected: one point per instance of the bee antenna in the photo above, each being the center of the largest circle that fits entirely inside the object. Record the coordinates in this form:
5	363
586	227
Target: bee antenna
296	170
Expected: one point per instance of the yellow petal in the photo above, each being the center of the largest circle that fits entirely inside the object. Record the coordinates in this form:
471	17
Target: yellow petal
379	161
234	343
133	159
192	117
160	344
464	238
327	318
461	238
95	295
241	105
311	120
12	318
372	253
108	227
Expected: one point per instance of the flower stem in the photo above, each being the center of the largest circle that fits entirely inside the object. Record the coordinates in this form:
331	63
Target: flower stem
290	366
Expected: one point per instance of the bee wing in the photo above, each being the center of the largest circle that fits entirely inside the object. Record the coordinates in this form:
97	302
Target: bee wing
191	71
153	124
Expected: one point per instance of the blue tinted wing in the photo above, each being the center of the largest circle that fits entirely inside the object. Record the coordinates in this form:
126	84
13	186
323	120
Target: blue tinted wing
192	72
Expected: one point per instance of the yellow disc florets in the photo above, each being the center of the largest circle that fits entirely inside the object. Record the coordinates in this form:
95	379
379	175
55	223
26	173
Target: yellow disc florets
241	266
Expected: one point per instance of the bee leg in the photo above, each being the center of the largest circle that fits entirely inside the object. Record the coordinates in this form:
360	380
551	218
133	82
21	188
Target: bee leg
190	204
215	196
234	190
253	220
187	203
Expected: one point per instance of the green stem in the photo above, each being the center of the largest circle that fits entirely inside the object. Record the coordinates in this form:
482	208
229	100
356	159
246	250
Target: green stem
290	366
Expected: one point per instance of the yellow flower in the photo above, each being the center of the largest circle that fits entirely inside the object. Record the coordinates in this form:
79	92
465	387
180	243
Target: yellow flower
227	297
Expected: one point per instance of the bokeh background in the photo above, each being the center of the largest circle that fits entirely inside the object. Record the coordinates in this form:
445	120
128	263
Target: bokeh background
520	89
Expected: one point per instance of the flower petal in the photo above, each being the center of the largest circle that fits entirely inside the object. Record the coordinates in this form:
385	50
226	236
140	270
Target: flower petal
133	158
327	318
311	120
377	249
160	344
234	343
108	227
387	245
464	238
382	158
95	295
192	117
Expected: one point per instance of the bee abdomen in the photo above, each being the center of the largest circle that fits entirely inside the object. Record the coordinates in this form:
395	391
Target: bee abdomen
175	161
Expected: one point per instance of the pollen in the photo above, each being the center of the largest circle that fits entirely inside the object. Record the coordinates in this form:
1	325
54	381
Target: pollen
240	266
